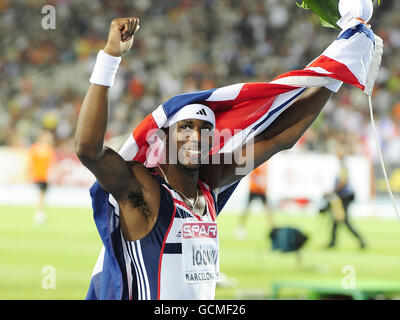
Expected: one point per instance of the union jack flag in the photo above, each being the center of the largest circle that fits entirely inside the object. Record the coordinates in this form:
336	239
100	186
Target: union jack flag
247	109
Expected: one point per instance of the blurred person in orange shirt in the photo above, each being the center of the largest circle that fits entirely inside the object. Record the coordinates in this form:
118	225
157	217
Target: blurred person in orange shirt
257	190
41	158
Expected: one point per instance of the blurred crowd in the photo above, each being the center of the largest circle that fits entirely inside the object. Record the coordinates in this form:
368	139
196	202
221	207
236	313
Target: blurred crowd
182	46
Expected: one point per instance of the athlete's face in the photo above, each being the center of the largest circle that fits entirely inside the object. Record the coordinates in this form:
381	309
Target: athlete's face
191	141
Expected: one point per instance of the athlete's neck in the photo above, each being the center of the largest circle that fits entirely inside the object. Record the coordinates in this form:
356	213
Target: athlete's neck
181	178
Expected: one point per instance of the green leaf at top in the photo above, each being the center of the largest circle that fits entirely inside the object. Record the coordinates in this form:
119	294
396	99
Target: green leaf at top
326	10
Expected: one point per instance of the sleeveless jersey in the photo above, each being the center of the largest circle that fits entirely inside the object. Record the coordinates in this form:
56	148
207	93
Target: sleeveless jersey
179	258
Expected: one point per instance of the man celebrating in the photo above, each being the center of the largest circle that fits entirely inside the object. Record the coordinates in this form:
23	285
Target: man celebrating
158	223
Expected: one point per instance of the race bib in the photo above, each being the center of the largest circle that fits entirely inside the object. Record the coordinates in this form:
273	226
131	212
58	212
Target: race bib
200	251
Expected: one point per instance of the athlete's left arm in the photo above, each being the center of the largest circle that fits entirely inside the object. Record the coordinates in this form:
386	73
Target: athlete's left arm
282	134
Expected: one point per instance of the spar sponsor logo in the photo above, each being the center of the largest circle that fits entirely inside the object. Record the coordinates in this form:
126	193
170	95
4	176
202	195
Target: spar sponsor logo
199	230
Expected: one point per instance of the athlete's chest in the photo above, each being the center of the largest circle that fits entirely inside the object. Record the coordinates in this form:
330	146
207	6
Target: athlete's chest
196	239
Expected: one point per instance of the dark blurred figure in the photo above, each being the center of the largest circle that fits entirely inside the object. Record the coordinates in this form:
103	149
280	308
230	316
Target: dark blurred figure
338	202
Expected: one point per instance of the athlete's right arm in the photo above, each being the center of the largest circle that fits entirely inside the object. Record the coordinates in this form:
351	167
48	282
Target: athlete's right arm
108	166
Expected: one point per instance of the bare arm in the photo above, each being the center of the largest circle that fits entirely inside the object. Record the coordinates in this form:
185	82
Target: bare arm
291	125
282	134
107	165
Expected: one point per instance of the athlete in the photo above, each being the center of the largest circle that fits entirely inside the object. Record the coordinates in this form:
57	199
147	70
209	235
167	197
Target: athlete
163	229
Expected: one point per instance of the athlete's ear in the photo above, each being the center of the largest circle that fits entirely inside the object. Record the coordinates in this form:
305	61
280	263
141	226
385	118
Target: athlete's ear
163	134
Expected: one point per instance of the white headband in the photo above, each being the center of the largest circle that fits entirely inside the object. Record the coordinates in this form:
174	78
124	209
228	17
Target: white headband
192	111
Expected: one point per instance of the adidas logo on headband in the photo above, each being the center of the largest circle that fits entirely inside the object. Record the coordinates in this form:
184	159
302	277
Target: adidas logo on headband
202	112
192	111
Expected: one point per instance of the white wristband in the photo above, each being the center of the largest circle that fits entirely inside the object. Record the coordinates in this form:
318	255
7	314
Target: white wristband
105	69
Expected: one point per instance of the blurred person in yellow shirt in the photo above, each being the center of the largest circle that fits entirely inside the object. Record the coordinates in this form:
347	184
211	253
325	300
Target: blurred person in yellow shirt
257	190
41	158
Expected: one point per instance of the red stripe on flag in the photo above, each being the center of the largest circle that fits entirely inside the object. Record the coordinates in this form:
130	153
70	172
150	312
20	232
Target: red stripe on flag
301	73
340	70
253	102
336	69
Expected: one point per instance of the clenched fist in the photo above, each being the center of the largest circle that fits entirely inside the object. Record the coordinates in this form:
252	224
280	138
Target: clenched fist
120	37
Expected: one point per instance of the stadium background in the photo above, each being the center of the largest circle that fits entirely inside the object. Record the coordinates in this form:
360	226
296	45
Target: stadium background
185	46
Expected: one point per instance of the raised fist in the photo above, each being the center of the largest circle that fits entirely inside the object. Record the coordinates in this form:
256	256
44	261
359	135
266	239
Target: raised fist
120	37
